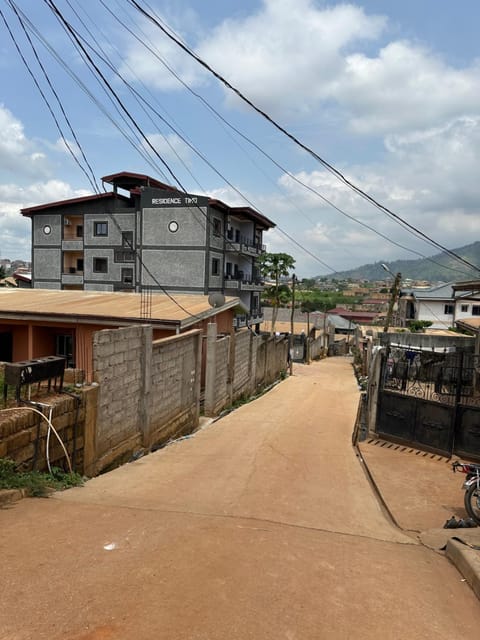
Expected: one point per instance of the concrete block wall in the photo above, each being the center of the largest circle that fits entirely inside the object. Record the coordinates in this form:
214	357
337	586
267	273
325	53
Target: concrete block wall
23	433
174	392
118	365
148	391
243	367
242	364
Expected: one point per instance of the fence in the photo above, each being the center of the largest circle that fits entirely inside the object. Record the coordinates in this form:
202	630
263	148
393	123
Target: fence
430	400
147	392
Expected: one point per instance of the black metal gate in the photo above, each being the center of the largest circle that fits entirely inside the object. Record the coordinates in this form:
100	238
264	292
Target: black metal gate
431	400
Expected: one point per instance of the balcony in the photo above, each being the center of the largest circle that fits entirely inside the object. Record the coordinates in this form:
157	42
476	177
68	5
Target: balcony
72	245
242	244
255	317
232	282
72	277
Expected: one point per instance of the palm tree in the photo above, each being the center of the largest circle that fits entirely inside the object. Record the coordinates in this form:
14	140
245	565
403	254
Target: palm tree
274	266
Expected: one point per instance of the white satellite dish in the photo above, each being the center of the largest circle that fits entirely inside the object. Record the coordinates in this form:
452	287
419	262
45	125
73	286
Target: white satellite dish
216	299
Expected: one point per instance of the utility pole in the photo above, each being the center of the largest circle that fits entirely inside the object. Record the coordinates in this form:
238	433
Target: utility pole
290	345
393	298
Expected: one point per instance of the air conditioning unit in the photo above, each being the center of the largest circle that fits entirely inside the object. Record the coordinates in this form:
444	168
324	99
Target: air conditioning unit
66	222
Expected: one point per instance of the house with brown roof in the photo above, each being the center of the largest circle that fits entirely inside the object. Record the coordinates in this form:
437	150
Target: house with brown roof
36	323
144	235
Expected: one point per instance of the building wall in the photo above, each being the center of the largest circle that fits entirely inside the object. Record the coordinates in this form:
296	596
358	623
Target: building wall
182	269
433	311
48	264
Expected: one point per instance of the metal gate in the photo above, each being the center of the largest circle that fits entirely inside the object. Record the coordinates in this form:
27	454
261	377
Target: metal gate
431	400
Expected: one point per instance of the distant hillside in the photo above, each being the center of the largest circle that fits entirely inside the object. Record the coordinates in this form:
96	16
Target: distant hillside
446	269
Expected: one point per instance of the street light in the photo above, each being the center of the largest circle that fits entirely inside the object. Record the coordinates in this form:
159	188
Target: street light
393	298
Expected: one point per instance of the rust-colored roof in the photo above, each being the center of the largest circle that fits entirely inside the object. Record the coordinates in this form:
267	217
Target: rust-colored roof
130	181
180	310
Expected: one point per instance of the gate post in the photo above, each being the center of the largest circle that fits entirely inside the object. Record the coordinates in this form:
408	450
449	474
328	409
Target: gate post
458	396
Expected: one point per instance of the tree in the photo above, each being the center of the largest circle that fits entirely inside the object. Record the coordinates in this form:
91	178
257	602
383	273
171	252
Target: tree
3	273
275	266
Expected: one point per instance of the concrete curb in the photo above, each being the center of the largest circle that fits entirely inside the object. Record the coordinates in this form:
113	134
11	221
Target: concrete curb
467	561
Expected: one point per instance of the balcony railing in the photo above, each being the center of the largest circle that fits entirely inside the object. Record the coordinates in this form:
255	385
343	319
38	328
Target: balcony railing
243	244
245	281
247	320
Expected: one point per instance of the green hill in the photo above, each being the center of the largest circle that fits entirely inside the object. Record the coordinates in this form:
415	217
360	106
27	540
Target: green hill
440	267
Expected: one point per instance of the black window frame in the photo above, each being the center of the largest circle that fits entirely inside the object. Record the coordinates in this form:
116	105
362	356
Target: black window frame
127	239
448	309
127	276
96	264
464	308
215	267
475	309
79	231
100	224
217	227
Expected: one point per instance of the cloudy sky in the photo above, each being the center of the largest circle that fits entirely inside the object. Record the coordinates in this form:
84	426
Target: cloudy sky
386	92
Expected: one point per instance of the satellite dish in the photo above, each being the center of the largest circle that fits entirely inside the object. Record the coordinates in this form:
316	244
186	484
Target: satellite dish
216	299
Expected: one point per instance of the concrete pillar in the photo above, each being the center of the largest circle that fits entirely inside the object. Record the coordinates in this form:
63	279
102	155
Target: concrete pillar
144	397
211	369
90	398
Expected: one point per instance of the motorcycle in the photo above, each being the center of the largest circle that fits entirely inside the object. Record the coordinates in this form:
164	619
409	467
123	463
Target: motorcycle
471	487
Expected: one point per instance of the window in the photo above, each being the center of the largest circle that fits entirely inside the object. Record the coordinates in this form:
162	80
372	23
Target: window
79	231
100	265
475	310
464	308
100	229
79	264
65	348
127	277
215	266
127	239
217	227
448	309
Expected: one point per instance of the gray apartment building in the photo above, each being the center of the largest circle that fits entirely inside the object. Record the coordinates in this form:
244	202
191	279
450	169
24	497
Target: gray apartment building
151	237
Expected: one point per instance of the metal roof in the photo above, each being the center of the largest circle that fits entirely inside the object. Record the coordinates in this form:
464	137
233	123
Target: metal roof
128	180
61	203
100	307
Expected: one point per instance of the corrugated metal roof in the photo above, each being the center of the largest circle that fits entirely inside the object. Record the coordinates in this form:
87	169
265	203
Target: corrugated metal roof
180	310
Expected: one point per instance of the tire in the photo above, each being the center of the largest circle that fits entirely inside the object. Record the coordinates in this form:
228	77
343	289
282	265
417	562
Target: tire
472	502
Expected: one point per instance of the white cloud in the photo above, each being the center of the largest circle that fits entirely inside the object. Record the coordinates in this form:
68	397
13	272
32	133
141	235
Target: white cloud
15	238
170	147
157	61
288	55
428	178
18	154
404	87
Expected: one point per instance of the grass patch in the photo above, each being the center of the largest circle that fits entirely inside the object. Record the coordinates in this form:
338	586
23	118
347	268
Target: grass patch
36	483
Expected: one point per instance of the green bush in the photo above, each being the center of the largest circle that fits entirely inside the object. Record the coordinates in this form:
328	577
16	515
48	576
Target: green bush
35	482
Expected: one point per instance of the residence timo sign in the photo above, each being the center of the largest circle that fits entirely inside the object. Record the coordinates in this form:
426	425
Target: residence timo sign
174	199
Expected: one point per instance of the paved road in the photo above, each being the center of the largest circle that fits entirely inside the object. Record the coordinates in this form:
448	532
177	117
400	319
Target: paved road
261	526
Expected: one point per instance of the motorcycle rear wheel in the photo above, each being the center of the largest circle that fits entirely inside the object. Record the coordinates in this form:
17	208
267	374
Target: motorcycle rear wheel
472	502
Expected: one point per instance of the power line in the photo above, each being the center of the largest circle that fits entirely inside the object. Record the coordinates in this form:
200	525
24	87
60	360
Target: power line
398	219
44	97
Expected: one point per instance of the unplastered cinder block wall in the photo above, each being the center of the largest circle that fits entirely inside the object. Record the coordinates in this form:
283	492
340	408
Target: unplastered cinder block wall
148	391
239	364
174	403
